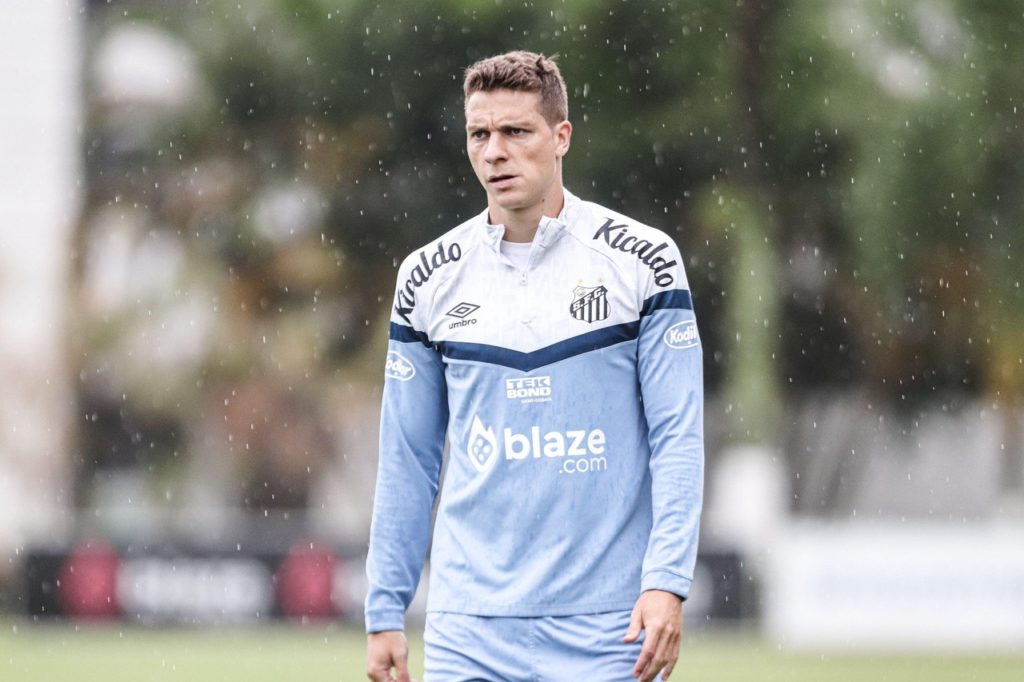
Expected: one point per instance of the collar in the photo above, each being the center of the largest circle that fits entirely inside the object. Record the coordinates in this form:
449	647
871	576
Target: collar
549	230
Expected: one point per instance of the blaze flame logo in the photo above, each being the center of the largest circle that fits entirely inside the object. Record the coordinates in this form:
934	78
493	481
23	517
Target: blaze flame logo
483	446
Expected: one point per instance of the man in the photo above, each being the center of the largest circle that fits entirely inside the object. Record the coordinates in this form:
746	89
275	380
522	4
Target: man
554	342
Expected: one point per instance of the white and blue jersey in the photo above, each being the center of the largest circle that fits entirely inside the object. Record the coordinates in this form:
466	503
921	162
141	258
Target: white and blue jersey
571	394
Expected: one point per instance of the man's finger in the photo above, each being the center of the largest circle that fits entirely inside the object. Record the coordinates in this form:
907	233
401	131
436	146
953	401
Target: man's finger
642	661
647	652
651	671
402	667
641	674
654	667
668	652
378	675
635	626
657	664
664	640
669	644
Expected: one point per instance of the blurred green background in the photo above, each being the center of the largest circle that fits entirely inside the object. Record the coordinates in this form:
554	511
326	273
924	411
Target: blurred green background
843	179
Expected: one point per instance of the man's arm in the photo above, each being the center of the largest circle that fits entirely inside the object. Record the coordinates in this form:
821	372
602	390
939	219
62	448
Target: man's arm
670	367
414	417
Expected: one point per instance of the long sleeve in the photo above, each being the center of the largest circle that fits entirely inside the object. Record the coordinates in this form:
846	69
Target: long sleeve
414	417
671	383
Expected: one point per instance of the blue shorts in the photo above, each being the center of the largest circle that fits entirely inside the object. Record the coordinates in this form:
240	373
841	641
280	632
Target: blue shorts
463	648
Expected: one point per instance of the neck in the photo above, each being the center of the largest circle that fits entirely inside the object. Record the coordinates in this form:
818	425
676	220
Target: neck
521	224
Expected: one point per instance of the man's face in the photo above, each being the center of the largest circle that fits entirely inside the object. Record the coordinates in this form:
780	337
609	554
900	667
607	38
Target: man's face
515	153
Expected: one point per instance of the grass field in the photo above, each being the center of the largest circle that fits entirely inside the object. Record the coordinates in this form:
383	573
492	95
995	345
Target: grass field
51	653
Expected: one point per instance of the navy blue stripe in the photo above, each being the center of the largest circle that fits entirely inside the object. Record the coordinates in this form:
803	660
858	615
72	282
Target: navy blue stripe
403	334
556	352
677	299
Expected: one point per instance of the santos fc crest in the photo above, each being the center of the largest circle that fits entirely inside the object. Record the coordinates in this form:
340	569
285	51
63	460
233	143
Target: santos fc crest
590	304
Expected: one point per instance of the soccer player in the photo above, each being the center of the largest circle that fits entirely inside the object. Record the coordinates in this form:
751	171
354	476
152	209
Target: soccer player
554	342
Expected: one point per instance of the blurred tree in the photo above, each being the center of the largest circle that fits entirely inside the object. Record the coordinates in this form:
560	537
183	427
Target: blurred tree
841	177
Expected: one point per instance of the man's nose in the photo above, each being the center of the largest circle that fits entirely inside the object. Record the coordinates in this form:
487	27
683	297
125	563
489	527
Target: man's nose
495	149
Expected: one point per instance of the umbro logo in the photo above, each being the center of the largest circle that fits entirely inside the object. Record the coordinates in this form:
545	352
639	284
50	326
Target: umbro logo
462	311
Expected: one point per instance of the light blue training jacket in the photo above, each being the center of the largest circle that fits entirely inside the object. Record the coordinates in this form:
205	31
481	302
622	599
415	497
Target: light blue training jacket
572	398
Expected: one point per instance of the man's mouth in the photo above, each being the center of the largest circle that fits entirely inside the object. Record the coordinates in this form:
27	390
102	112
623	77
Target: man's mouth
499	179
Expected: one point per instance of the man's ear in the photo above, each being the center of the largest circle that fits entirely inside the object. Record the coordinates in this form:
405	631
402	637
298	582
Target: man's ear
563	134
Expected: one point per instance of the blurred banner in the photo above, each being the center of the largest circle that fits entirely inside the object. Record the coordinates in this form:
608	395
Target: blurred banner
95	581
897	587
238	586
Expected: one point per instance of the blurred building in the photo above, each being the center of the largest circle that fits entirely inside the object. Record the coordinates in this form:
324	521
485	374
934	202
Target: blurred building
41	56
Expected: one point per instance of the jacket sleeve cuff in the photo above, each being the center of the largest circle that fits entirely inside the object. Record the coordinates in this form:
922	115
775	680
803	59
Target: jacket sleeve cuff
380	620
666	581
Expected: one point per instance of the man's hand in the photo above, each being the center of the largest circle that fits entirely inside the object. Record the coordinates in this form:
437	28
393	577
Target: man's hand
384	651
661	615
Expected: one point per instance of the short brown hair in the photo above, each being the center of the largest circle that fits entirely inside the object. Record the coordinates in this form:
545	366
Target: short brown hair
526	71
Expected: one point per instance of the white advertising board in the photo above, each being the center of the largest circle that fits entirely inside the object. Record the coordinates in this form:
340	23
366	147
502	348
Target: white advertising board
896	586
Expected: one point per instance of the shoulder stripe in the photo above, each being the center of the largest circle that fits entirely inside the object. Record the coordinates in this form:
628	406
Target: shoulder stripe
403	334
676	299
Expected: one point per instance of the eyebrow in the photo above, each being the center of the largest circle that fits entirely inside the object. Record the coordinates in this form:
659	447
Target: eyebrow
521	125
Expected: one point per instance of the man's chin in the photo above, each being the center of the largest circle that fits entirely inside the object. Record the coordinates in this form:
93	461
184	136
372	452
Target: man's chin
506	203
511	200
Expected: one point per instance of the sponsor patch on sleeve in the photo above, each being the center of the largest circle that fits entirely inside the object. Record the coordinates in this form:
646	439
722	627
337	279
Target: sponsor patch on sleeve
397	367
682	335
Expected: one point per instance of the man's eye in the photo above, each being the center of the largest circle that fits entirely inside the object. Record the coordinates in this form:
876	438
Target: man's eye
478	134
517	131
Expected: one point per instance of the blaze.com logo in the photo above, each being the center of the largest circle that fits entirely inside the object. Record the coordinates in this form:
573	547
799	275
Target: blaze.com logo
576	451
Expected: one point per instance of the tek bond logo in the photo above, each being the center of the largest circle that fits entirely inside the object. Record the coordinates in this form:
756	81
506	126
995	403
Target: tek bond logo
528	389
577	451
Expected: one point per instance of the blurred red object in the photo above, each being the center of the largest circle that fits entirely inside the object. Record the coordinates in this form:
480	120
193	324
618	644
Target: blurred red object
87	586
305	580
